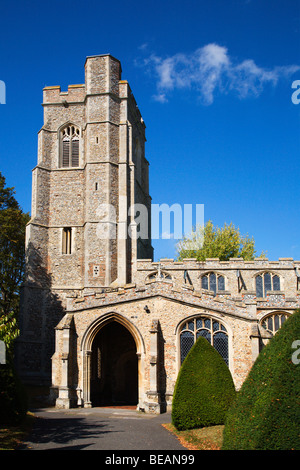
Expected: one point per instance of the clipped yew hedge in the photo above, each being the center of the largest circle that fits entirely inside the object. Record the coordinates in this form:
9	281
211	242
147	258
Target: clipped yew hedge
204	388
266	414
13	397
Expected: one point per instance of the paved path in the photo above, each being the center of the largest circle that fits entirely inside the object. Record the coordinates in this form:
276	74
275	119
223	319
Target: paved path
100	429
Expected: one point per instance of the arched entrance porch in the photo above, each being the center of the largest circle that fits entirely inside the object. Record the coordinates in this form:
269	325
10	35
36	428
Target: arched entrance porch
113	353
114	367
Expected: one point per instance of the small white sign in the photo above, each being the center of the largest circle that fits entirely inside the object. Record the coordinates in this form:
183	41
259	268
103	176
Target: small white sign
2	352
2	92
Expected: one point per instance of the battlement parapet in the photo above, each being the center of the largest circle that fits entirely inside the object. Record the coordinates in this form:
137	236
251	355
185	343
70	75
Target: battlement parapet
215	263
54	95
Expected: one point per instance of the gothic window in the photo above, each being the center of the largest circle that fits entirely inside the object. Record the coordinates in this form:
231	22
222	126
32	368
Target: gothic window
70	138
213	281
273	322
212	330
266	282
159	276
67	241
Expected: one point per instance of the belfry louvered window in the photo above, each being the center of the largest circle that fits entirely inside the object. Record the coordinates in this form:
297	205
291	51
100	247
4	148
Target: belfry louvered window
70	138
212	330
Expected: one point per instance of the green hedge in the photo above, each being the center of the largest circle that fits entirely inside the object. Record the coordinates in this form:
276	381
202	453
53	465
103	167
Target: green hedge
266	414
204	389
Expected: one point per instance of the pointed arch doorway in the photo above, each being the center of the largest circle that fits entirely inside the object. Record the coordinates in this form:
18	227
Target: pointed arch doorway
114	367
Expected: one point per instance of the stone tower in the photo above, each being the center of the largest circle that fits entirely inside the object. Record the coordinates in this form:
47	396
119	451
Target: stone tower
83	235
101	322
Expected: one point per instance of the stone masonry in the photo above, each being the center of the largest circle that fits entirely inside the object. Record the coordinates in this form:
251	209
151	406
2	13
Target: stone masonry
101	323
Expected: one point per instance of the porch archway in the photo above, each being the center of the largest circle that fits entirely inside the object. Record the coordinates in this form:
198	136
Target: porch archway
113	362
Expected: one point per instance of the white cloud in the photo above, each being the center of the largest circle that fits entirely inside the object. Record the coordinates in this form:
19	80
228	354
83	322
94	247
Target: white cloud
143	46
167	235
210	69
160	97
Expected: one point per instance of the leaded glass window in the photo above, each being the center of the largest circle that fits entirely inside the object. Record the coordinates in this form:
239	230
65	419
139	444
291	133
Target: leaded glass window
159	276
266	282
212	281
273	322
205	282
67	241
221	283
276	282
259	286
212	330
186	343
220	343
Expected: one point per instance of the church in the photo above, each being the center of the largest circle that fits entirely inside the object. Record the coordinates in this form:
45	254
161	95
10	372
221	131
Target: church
101	323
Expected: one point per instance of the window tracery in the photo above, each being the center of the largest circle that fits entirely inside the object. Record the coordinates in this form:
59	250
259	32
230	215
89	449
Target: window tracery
273	322
159	275
70	139
211	329
266	282
213	281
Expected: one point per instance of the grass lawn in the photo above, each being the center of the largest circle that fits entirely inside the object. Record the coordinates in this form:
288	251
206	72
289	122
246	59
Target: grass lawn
209	438
12	436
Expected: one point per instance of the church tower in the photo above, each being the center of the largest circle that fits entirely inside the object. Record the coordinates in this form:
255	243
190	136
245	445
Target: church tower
90	177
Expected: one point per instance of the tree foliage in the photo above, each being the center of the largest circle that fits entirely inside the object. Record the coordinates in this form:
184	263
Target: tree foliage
213	242
204	388
12	260
266	414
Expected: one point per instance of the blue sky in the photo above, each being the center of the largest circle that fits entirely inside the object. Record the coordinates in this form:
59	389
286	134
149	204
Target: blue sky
213	81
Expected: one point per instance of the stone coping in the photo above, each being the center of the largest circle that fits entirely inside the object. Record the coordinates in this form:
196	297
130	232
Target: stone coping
233	263
205	299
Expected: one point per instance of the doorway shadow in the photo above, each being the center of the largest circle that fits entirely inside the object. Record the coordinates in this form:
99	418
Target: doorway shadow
114	367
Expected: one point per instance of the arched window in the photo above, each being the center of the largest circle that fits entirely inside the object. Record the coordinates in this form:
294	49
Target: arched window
213	281
273	322
70	138
159	276
213	330
266	282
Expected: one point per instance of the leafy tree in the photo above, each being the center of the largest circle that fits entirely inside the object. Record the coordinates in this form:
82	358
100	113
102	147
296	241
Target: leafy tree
204	389
266	414
13	399
214	242
12	261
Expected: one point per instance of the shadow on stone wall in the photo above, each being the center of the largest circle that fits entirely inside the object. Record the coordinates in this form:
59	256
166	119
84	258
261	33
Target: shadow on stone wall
40	312
162	375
